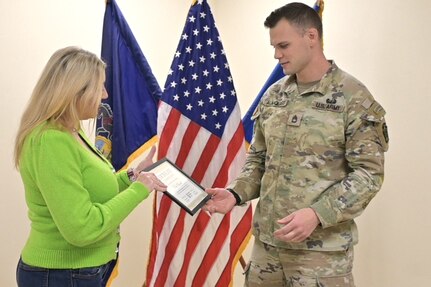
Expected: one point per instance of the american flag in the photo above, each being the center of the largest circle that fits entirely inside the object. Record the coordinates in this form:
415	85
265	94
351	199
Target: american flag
200	129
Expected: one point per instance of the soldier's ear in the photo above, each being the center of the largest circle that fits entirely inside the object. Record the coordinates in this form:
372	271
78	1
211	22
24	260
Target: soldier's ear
312	35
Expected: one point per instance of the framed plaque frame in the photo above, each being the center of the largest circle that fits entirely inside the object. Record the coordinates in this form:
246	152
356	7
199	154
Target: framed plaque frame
182	189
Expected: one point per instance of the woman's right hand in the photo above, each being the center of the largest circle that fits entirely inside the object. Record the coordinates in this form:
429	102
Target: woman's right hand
151	181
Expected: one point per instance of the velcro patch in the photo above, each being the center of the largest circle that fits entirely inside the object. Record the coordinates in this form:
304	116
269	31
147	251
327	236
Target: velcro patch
295	119
367	103
327	107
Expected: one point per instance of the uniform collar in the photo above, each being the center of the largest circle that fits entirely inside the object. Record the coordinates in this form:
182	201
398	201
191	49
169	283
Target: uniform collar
325	85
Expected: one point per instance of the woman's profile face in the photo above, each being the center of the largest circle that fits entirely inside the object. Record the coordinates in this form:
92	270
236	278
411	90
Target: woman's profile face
90	109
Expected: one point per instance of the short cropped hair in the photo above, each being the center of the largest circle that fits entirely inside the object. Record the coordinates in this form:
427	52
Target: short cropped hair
298	14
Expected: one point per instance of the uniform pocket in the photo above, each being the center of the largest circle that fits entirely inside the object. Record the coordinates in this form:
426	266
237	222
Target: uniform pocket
302	281
263	275
343	280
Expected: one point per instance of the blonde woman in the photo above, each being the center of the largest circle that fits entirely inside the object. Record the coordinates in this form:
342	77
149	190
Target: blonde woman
75	198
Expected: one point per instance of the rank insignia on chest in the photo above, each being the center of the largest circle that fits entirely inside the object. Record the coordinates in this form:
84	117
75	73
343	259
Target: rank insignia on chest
327	106
295	119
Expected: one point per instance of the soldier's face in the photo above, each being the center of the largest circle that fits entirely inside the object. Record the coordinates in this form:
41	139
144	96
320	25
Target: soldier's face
291	47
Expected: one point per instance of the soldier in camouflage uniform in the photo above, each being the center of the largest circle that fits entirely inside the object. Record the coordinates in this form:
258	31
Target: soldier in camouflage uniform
315	162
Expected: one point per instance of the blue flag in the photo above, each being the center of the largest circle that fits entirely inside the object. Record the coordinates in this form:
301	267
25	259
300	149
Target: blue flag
127	120
276	75
248	123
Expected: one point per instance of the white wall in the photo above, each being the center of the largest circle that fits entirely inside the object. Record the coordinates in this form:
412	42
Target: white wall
383	43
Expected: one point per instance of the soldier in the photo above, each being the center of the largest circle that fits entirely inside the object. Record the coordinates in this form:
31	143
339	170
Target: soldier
315	162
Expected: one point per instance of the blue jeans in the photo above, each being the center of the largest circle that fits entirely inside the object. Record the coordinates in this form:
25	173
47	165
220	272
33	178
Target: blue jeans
31	276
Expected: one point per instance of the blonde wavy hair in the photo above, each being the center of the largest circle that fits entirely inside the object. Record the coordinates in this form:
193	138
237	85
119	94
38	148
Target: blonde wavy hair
72	79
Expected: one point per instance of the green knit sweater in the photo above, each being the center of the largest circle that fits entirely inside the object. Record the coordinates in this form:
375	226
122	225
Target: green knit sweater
75	200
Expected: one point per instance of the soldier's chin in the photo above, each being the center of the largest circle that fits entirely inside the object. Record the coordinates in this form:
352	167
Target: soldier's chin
285	68
287	72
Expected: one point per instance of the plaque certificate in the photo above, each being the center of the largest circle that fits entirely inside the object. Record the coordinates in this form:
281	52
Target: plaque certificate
181	188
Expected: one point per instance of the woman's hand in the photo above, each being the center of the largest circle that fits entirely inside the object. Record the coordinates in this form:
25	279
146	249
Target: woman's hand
151	181
146	162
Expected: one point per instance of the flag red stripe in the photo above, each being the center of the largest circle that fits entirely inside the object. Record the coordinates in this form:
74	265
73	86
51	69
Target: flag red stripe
158	223
198	228
212	252
201	167
168	132
165	203
237	237
187	142
205	158
233	147
173	242
170	250
154	244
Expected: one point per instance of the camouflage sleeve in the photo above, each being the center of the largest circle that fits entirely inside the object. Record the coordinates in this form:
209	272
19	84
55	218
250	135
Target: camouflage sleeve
366	142
247	184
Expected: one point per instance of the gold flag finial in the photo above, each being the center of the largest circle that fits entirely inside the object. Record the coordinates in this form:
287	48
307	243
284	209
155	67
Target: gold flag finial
321	5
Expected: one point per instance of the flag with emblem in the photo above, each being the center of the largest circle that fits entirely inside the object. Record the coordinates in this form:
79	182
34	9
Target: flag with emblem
200	130
127	120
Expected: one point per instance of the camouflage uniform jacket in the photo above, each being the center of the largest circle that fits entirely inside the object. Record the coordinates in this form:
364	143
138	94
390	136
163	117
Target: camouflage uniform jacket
324	149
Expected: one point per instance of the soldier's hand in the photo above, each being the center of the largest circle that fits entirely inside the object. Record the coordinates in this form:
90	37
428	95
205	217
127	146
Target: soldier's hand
298	225
222	201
